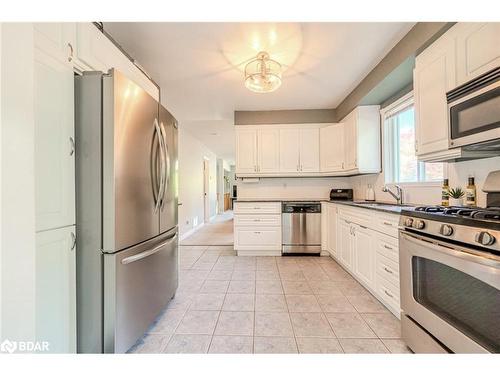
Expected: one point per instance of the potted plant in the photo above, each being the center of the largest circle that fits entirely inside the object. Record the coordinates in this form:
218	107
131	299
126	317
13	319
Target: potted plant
456	196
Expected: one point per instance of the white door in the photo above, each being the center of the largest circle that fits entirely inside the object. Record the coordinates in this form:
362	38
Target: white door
478	49
289	150
206	190
54	133
350	141
331	227
345	242
332	148
309	150
246	151
364	250
55	269
268	151
433	76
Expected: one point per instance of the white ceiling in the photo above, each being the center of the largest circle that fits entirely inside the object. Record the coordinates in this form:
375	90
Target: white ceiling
199	66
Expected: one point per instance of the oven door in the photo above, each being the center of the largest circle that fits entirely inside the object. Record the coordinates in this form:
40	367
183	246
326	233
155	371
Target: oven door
475	118
453	294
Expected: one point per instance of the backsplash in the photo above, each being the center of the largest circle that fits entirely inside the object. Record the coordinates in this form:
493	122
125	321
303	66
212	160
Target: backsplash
291	188
319	188
431	193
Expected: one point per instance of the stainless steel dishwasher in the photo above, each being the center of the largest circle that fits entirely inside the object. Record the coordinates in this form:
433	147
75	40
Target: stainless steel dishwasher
301	227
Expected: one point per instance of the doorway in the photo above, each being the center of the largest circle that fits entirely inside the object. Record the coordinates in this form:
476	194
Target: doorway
206	188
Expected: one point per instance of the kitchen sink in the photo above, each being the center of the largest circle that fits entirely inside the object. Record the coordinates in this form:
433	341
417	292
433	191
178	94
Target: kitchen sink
382	205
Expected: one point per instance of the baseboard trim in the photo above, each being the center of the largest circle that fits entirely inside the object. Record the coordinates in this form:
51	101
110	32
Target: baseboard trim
190	232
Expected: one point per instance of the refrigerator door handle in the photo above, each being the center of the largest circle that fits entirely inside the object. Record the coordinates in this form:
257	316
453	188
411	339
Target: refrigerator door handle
161	190
147	253
167	164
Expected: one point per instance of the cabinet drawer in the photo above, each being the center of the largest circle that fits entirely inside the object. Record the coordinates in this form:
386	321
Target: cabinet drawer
388	269
257	220
359	216
257	207
257	238
388	293
388	246
387	223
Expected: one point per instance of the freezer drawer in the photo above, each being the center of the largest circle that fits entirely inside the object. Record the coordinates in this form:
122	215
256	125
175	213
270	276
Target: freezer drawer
138	283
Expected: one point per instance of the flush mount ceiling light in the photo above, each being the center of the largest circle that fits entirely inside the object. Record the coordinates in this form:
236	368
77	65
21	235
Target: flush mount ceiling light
262	74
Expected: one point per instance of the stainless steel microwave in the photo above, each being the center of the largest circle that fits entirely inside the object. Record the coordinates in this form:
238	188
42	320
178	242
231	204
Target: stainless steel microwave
474	111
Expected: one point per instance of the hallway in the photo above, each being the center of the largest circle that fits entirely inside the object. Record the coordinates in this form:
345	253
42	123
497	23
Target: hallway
219	232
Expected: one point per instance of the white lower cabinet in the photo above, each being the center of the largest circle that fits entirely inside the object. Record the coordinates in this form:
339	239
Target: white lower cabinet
257	228
56	289
367	247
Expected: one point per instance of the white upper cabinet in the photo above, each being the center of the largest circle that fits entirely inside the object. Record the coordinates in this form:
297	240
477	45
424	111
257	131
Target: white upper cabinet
478	49
309	150
289	150
54	131
94	51
362	140
268	146
332	148
246	151
434	75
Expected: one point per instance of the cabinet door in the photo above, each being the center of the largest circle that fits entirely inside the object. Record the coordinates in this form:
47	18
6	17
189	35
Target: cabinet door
54	137
246	151
345	242
331	227
434	75
364	254
289	150
332	148
55	268
350	141
56	39
478	49
269	151
309	150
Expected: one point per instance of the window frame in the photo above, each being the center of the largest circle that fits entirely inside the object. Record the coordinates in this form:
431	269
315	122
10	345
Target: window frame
389	154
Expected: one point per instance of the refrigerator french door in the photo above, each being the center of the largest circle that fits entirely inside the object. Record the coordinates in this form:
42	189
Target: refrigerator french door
126	230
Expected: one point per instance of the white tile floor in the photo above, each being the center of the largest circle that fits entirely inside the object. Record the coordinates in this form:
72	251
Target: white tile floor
230	304
218	232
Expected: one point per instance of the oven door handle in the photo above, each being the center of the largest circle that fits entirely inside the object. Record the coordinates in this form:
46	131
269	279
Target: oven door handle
471	255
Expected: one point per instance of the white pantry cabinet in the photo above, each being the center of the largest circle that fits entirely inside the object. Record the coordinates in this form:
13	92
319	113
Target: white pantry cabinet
332	152
362	140
54	131
55	289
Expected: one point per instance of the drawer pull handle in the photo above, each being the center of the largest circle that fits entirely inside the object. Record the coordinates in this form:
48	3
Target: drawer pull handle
256	219
388	294
388	270
256	232
387	223
388	247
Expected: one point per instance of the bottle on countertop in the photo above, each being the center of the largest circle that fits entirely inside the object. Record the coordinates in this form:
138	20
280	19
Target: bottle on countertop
445	198
370	193
470	193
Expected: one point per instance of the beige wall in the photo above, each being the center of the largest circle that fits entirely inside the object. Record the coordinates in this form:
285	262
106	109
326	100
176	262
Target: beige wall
300	116
191	155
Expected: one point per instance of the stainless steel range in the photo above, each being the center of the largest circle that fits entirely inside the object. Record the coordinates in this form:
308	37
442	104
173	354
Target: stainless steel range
450	279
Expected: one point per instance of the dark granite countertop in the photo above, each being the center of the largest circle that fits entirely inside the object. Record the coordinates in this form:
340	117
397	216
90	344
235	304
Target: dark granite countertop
377	206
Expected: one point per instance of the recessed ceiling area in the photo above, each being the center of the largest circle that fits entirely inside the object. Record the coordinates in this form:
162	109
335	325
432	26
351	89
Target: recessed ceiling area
199	66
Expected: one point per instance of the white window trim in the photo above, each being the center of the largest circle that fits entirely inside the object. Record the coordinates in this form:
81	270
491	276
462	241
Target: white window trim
395	107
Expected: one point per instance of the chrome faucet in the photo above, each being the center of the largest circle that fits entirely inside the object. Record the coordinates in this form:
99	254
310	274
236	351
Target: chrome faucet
398	196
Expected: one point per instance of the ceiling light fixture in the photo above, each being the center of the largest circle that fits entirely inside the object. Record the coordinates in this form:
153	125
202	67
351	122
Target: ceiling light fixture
262	74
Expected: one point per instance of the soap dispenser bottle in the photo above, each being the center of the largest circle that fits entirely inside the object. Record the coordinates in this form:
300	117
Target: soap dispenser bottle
370	193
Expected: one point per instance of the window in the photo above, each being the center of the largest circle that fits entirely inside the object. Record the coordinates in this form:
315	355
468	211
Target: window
401	164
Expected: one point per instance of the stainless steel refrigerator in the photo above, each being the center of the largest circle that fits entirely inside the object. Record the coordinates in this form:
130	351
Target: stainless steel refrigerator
127	245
